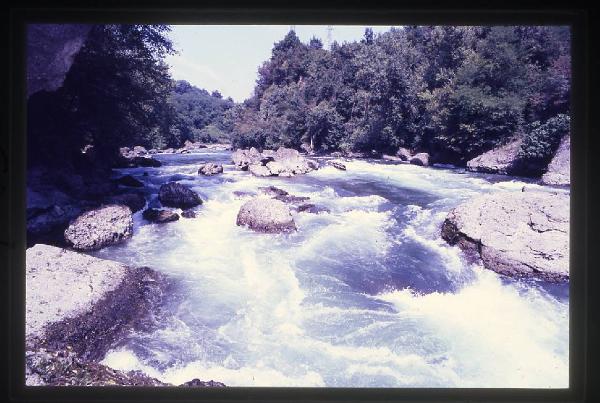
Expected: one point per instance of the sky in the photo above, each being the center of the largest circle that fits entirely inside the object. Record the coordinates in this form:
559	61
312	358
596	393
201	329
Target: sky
226	57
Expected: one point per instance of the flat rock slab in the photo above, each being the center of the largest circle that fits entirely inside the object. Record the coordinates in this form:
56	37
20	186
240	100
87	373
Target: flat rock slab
520	234
82	303
499	160
62	284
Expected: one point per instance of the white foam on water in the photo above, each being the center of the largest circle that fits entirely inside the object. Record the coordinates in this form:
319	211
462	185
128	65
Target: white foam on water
496	335
246	286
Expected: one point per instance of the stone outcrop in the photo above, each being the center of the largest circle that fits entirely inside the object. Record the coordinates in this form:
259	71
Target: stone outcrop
51	49
210	169
500	160
559	169
77	308
174	194
95	229
284	162
519	234
263	214
421	159
82	303
404	154
160	216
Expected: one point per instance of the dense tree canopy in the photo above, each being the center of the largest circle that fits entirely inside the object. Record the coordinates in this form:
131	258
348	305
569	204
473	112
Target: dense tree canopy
452	91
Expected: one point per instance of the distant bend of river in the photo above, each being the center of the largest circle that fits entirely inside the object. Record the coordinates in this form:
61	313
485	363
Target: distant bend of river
368	295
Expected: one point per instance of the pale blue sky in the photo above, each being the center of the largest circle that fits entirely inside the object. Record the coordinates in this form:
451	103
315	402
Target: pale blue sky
226	57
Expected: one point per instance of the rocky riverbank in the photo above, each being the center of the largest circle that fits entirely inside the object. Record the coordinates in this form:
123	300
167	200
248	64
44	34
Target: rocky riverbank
519	234
77	308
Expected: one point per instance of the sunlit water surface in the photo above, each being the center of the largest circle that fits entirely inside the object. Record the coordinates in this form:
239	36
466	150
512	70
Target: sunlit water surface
368	295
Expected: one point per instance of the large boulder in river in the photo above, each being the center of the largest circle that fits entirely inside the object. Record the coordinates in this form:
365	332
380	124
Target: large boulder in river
499	160
421	159
559	169
173	194
210	169
263	214
519	234
95	229
243	158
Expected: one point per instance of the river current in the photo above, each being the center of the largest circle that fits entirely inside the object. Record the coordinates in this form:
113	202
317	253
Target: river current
367	295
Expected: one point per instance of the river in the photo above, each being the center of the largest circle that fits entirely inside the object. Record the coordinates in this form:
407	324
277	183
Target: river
368	295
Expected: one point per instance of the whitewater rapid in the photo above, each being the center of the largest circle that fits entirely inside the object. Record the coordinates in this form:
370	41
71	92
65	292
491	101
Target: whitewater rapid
368	295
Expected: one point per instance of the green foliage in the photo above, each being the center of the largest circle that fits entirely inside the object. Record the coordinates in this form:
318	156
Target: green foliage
194	110
452	91
541	142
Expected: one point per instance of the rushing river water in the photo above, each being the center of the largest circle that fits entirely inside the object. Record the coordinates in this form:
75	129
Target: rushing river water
368	295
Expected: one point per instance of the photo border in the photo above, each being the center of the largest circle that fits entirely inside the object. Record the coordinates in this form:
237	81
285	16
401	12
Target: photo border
214	13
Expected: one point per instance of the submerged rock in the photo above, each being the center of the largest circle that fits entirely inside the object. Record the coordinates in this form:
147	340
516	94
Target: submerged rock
263	214
499	160
273	191
210	169
95	229
160	216
338	165
188	214
135	201
421	159
519	234
559	169
312	208
129	181
173	194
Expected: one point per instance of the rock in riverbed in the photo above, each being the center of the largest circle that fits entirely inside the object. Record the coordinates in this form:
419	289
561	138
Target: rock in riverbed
210	169
83	302
519	234
499	160
338	165
263	214
129	181
173	194
559	169
404	154
135	201
283	162
78	307
421	159
160	216
95	229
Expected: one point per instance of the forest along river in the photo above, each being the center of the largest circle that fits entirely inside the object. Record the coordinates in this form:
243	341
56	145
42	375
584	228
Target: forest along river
366	295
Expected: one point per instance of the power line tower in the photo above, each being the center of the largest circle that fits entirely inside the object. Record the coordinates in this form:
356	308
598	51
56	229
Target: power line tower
329	36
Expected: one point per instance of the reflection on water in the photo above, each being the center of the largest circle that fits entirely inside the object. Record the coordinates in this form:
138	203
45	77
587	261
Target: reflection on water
366	295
